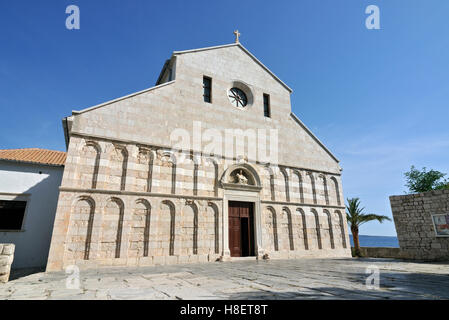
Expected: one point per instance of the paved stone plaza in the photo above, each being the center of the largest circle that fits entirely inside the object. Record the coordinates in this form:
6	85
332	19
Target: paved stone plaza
246	279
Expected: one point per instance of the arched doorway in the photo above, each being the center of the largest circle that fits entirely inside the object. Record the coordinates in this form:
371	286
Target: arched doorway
242	207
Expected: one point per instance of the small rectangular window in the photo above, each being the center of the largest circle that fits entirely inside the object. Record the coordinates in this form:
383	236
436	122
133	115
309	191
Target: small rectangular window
207	88
11	214
266	105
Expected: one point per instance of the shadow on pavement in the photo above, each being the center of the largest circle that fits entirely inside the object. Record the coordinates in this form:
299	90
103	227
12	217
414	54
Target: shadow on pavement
23	272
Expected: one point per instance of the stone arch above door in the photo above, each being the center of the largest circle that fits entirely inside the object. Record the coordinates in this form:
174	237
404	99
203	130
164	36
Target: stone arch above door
241	176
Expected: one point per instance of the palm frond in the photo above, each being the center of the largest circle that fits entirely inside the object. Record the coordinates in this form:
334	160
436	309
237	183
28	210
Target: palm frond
356	217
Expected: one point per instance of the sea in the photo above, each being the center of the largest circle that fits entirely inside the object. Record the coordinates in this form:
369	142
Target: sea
376	241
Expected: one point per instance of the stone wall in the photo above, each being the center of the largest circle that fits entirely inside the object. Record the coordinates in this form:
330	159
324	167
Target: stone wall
153	115
145	212
140	205
382	252
413	219
6	258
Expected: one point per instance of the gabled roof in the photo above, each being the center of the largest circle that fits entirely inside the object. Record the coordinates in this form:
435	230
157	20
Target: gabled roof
34	155
244	50
75	112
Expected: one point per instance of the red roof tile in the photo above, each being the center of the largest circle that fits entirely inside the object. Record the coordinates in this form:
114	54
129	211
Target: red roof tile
34	155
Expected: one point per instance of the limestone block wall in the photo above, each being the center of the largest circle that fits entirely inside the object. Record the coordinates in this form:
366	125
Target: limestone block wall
122	203
6	259
155	114
129	229
112	165
413	219
383	252
293	231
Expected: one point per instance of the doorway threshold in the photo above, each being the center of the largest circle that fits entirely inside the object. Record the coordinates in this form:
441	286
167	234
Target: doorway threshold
251	258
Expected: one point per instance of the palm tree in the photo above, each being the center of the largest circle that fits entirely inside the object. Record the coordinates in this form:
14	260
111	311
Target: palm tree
356	218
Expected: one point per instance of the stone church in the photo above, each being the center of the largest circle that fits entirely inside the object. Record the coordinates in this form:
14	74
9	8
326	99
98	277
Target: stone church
132	195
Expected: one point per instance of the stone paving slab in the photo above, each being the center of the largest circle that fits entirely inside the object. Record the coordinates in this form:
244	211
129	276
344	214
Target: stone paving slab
273	279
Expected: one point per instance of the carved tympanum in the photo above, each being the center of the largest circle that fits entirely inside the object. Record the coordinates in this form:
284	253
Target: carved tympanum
239	176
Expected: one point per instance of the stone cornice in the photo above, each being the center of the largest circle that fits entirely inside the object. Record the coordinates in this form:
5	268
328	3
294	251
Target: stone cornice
314	137
239	45
242	187
137	193
77	112
180	196
299	204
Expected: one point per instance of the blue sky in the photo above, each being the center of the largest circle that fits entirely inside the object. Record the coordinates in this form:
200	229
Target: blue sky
377	98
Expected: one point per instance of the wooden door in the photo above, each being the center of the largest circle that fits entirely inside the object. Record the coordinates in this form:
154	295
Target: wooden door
234	237
241	241
234	230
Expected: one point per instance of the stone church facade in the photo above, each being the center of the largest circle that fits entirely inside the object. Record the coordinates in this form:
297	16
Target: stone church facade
131	197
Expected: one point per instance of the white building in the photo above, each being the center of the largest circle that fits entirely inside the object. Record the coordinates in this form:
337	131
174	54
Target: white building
29	182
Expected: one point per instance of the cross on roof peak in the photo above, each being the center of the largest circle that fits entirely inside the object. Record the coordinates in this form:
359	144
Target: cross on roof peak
237	35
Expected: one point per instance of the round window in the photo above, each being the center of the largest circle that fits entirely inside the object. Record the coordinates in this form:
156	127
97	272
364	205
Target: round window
238	97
